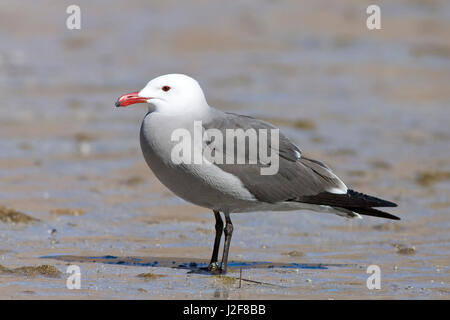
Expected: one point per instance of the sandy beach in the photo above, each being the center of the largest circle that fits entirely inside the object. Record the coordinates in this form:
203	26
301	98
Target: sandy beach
75	189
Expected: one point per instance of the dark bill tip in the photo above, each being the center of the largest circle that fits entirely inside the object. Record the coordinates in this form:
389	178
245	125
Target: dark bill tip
117	103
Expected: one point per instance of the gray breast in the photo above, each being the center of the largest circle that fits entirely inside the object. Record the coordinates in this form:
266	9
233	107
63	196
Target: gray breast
205	185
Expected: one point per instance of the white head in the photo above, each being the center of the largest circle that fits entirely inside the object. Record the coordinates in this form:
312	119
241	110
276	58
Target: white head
168	94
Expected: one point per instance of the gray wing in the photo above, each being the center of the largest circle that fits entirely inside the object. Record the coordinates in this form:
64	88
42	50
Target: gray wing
297	176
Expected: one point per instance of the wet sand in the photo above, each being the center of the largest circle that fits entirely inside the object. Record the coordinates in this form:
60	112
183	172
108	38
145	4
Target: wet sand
74	188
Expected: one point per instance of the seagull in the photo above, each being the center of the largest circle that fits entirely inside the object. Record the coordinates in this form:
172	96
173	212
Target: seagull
177	101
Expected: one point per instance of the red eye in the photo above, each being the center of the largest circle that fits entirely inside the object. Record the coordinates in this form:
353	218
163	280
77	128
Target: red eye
165	88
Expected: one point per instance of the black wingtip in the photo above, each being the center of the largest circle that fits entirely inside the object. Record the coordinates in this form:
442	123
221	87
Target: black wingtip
117	103
388	204
371	201
374	213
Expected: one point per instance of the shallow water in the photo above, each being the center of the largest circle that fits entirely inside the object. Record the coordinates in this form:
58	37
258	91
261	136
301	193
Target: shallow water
377	105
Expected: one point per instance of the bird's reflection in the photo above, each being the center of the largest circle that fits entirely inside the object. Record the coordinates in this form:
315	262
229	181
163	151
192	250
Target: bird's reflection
193	265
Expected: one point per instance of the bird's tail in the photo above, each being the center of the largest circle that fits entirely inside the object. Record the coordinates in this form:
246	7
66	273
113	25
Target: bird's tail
374	213
353	201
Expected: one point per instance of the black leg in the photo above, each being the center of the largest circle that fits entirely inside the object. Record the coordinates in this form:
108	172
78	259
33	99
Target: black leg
228	232
213	266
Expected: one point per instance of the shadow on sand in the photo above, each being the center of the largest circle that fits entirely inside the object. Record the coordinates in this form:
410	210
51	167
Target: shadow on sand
193	265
